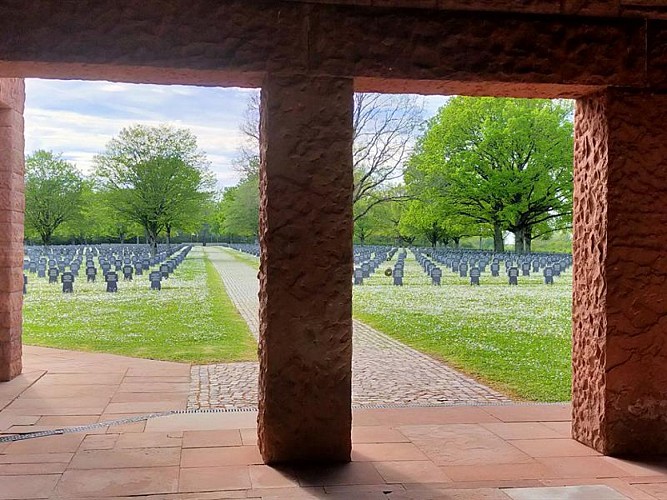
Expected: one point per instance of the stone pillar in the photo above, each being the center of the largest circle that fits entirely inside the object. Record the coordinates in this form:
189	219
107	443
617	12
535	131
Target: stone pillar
620	274
305	346
12	97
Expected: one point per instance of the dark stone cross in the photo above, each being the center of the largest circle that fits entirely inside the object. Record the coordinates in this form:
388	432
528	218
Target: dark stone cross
474	276
436	274
67	279
548	276
155	278
513	274
112	281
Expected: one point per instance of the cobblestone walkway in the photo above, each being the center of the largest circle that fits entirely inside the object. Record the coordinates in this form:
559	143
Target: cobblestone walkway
384	371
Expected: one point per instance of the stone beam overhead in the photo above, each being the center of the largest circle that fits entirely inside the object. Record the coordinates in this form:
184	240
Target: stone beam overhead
236	42
648	9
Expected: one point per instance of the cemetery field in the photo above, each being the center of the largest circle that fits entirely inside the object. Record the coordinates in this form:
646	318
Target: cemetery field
516	339
190	320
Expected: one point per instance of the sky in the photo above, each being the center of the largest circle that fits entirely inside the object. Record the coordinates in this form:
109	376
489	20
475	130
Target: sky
77	118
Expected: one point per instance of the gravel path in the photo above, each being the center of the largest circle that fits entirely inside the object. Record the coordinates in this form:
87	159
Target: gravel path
385	371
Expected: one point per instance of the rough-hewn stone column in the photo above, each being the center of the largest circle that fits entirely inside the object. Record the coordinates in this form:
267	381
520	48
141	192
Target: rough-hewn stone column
12	97
305	346
620	273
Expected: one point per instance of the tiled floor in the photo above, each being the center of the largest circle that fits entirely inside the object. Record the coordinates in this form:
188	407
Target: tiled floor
465	452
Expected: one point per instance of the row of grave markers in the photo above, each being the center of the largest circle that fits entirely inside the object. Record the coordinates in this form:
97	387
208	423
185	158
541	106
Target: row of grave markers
65	263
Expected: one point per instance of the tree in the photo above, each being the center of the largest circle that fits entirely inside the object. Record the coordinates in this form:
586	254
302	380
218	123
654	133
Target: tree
506	163
384	126
155	177
53	189
239	209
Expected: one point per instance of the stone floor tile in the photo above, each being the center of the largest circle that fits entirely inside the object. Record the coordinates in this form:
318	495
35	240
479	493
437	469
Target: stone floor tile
524	430
67	420
65	443
498	472
99	442
566	467
150	440
411	472
452	494
14	469
463	444
86	378
202	421
216	457
656	490
249	436
640	468
377	452
100	483
213	439
287	493
334	475
262	476
126	458
554	448
21	487
531	413
596	492
36	458
214	478
377	434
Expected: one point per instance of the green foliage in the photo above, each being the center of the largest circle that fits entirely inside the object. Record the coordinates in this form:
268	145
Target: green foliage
191	319
156	177
505	163
238	210
53	191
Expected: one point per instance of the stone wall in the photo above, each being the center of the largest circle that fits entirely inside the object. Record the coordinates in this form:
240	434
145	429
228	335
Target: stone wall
12	96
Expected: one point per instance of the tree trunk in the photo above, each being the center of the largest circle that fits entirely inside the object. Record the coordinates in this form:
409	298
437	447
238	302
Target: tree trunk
518	240
528	239
498	242
168	231
456	242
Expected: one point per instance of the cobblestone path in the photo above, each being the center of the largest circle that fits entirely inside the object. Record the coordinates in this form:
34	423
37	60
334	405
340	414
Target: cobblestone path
384	371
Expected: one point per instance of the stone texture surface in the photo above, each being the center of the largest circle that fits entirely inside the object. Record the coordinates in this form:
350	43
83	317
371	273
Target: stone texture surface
620	304
12	97
305	298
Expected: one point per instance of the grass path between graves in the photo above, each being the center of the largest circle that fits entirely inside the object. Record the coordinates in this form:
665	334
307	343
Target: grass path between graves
190	320
515	339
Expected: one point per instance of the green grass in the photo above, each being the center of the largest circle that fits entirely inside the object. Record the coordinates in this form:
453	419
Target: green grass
516	339
191	319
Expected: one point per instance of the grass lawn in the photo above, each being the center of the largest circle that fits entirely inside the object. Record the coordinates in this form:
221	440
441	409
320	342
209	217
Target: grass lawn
191	319
516	339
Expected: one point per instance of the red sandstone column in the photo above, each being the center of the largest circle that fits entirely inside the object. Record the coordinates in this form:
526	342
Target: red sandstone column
305	346
12	97
620	273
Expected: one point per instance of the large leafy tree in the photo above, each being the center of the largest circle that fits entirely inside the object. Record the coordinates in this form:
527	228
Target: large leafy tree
53	191
157	177
506	163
